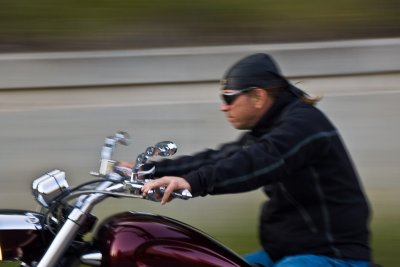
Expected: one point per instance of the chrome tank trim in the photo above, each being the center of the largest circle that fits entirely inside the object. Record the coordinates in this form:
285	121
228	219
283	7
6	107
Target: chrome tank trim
27	221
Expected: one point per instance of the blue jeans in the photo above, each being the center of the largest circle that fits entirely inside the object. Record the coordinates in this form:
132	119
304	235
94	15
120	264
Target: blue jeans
304	260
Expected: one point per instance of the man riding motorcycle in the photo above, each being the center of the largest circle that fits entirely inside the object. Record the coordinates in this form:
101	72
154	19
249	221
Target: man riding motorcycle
317	213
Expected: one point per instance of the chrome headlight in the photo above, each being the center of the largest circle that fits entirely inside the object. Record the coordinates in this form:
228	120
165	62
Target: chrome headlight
49	186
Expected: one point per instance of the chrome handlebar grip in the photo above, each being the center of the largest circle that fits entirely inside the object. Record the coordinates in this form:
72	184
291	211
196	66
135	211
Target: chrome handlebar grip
155	194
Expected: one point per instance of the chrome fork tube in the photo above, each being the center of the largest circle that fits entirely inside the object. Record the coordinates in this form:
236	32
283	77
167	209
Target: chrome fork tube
68	232
63	239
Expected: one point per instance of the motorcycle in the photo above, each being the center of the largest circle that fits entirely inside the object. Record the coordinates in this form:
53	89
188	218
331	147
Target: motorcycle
55	235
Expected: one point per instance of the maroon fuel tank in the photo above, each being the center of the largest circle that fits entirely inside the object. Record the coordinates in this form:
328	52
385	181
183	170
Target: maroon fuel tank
22	236
146	240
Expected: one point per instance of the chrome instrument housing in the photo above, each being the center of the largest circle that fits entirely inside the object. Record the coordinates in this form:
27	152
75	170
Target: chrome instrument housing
49	186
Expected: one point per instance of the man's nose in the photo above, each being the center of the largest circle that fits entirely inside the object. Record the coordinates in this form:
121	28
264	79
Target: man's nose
224	107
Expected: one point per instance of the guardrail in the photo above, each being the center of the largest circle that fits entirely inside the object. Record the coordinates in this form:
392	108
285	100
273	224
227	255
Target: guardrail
197	64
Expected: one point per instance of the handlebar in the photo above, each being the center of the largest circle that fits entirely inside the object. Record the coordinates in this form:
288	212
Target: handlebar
50	192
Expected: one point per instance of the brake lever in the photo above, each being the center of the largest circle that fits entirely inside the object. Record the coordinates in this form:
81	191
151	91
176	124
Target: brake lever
149	172
141	175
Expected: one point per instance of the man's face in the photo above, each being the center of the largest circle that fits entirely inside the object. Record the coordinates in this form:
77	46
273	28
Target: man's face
242	112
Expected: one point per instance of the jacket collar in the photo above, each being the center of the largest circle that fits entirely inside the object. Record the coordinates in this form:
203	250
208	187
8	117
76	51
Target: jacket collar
268	120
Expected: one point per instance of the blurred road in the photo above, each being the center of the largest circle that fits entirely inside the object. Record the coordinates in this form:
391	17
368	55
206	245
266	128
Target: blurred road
65	128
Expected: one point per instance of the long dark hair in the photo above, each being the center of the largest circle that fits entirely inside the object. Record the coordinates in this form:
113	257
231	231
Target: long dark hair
274	92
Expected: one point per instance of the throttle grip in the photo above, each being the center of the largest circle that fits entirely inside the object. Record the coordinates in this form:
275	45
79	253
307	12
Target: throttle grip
157	194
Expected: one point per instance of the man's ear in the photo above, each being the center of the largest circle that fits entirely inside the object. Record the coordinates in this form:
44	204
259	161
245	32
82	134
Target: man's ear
260	97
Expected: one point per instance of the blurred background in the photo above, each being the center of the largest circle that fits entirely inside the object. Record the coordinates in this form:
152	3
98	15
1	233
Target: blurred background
74	72
48	25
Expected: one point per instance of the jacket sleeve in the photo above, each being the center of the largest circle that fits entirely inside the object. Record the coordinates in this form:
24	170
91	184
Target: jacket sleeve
294	142
185	164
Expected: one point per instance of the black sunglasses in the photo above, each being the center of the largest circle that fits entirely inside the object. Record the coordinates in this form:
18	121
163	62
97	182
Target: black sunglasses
229	98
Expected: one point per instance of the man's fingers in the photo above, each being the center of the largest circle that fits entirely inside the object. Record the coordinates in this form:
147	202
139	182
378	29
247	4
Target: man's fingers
168	191
151	185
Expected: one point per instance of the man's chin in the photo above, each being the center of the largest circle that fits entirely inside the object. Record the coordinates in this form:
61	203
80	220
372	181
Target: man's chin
239	126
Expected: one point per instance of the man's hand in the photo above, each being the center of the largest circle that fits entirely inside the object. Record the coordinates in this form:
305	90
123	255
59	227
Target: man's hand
171	184
124	168
126	164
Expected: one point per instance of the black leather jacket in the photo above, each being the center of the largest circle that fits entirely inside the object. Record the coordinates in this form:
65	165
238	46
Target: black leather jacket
316	203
